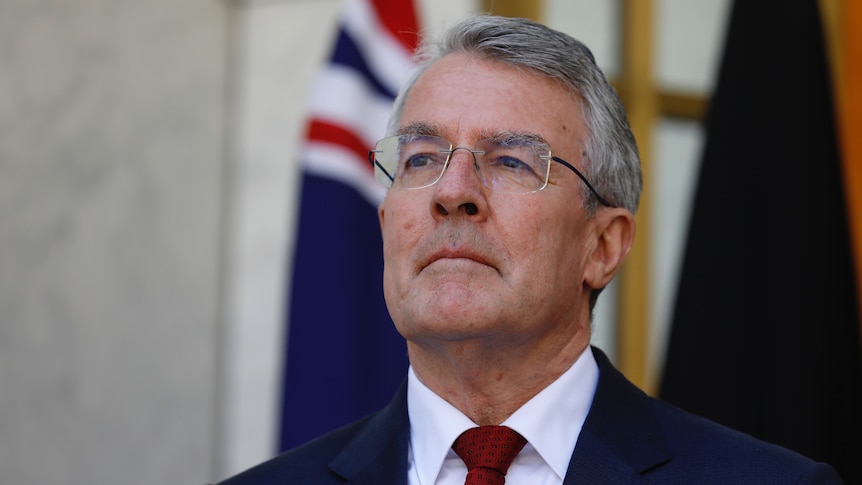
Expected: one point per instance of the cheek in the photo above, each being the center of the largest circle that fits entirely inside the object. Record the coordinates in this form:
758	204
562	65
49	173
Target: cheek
407	225
400	234
559	246
530	240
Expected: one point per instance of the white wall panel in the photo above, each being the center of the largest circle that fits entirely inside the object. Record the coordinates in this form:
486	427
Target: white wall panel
689	39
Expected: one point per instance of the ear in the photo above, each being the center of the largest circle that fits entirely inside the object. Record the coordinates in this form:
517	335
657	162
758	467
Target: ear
615	233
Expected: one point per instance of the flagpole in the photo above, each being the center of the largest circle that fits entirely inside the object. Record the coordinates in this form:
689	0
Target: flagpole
642	108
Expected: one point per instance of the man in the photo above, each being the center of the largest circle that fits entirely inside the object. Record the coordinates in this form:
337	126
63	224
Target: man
513	179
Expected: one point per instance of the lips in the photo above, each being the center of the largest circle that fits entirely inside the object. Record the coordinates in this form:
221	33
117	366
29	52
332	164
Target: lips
474	252
456	254
449	243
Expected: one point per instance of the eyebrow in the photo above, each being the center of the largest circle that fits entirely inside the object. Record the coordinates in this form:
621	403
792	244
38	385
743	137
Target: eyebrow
426	128
420	128
509	138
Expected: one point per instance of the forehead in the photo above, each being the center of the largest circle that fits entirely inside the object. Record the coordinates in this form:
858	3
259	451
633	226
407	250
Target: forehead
465	98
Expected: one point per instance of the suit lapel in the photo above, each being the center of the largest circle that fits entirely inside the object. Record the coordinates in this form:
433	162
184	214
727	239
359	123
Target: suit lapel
378	453
621	438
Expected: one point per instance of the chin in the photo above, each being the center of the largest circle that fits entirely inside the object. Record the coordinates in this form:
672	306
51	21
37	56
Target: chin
448	324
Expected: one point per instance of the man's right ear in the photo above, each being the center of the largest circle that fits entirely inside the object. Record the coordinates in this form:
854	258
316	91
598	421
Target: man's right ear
616	233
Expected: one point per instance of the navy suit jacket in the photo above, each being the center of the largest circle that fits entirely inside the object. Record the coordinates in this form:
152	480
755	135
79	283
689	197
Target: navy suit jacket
628	437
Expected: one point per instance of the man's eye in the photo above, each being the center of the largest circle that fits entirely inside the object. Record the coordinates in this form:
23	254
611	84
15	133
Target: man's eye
511	163
419	160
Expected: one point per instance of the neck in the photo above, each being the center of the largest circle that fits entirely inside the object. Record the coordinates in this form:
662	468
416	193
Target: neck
489	382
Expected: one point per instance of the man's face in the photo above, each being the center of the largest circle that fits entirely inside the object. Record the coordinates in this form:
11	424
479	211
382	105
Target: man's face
463	261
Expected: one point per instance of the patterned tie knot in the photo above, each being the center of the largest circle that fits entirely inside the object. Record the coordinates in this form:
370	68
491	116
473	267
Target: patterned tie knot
488	451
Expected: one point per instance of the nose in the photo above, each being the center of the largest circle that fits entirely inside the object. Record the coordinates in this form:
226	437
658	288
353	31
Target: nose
459	190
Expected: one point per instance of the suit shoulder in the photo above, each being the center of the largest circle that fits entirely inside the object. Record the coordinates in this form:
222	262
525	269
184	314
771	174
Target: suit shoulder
307	463
701	444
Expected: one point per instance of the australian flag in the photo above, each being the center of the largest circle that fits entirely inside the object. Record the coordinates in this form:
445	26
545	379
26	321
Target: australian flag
344	358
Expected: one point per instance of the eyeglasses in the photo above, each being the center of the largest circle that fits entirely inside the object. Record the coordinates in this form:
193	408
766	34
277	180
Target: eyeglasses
515	164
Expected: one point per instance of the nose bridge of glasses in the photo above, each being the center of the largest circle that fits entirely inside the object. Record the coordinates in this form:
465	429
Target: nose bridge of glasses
452	155
475	153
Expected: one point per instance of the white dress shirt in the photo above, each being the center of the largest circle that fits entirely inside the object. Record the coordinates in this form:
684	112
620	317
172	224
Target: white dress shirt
551	422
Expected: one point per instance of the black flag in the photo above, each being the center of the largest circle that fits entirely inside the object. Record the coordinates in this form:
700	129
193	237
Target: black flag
765	335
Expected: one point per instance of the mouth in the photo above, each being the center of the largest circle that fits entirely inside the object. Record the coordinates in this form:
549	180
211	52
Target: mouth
462	254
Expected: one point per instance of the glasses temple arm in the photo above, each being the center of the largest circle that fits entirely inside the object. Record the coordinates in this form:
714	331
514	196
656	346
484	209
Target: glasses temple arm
571	167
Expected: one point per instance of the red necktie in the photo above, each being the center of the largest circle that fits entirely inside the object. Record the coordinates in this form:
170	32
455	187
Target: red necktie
488	451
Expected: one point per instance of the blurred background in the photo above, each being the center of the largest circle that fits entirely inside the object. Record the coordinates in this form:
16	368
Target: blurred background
149	189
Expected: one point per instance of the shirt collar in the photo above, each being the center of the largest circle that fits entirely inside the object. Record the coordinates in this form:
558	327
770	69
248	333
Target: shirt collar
434	426
551	421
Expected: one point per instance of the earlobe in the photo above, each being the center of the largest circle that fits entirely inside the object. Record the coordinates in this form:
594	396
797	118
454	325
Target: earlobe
615	234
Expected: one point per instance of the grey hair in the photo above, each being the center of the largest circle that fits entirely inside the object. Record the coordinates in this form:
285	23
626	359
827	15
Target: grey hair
611	160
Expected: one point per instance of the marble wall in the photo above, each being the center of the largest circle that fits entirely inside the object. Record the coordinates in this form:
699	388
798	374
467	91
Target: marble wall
112	159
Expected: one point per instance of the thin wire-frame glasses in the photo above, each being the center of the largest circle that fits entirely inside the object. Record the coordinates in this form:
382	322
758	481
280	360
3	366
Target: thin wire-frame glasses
515	164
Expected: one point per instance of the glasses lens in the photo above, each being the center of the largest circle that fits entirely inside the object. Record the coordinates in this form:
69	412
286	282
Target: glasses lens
410	161
513	165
